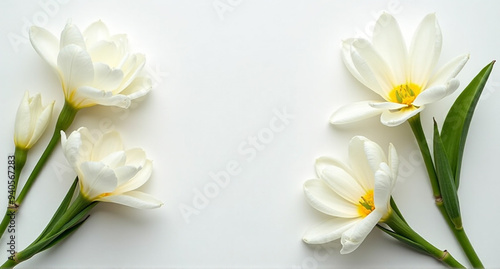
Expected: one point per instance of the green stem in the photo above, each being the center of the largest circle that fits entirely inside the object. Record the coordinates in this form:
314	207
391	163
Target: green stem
459	233
400	227
462	239
65	119
53	233
416	127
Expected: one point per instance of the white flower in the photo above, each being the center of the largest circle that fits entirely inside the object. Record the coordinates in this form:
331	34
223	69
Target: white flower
95	68
356	196
404	79
106	171
31	121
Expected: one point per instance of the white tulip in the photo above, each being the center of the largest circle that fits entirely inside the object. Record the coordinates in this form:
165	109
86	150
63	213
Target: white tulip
31	120
95	68
106	171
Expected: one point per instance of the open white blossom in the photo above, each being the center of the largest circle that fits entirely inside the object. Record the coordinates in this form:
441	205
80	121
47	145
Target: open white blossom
405	79
95	68
106	171
356	196
32	119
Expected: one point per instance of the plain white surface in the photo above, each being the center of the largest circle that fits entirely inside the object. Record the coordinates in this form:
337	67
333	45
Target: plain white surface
220	80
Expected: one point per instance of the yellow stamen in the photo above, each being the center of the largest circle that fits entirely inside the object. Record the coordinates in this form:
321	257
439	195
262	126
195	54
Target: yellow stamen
405	93
366	204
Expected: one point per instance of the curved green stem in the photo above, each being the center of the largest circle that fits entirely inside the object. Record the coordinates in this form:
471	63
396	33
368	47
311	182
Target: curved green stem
416	127
459	233
400	227
65	119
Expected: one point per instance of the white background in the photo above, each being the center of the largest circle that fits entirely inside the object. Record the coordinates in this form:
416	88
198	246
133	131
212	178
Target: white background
219	78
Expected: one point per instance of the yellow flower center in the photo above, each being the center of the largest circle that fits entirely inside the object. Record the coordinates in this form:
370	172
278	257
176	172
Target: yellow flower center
366	204
405	93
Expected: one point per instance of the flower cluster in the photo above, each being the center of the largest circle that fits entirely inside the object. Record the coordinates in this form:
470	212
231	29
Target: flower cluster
95	68
358	196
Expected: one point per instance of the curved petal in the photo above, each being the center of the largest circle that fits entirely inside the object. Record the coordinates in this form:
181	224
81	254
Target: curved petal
354	112
353	237
139	179
430	95
369	81
325	162
369	63
329	230
387	105
42	122
76	68
95	32
139	87
374	154
72	148
320	196
449	70
135	157
89	96
425	50
131	68
341	182
391	119
96	179
359	163
389	43
45	44
125	173
109	143
71	35
23	122
393	161
114	160
383	189
106	52
105	78
134	199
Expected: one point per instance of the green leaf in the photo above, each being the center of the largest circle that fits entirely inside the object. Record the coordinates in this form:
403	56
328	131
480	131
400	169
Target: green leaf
457	122
396	210
402	239
446	180
59	212
64	234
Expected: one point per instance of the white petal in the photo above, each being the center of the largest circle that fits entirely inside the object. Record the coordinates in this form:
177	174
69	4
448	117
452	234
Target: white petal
131	68
449	70
106	79
353	237
72	148
389	42
71	35
430	95
393	161
109	143
134	199
354	112
425	50
76	68
391	119
359	163
42	122
125	173
139	87
329	230
106	52
370	81
45	44
135	157
114	160
95	32
23	122
320	196
369	63
383	189
139	179
91	96
374	155
341	182
96	179
387	105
